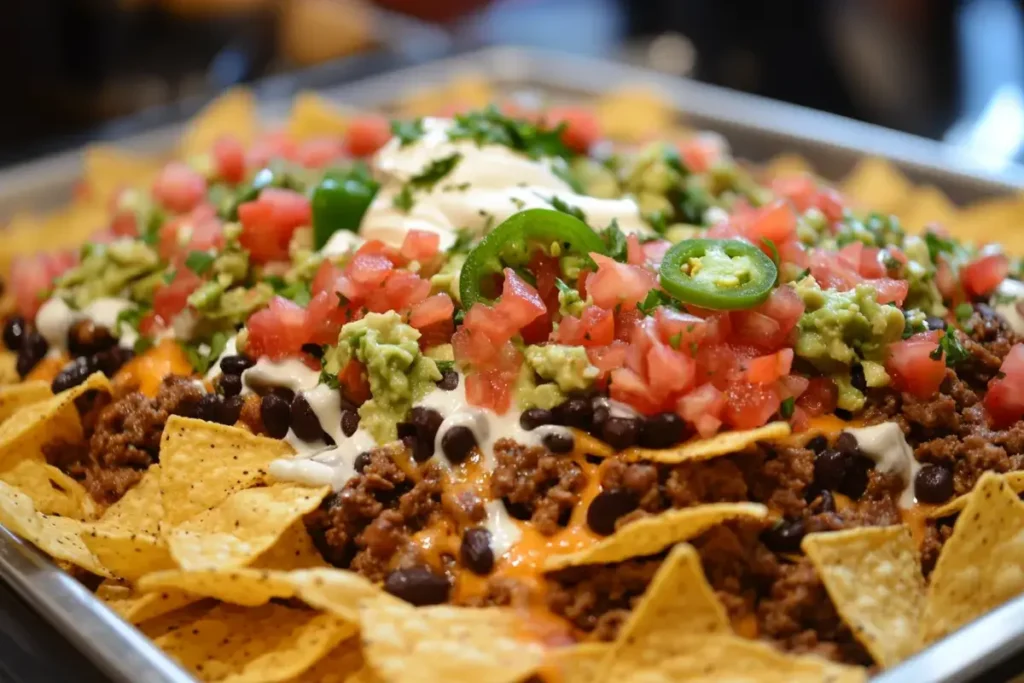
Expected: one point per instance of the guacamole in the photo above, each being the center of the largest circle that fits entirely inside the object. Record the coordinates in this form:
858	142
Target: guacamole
566	369
399	374
107	270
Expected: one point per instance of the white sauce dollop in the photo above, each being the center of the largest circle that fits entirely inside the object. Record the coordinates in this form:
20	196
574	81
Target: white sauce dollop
55	318
489	184
887	446
290	373
505	533
1006	301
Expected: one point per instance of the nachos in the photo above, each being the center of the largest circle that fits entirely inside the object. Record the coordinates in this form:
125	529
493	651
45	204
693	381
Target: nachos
492	397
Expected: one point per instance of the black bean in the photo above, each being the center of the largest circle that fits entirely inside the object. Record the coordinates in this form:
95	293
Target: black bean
785	536
559	442
361	461
857	379
110	361
426	422
856	480
14	329
620	432
935	323
457	443
73	374
284	392
535	417
662	430
520	511
828	501
349	421
235	365
232	409
210	408
418	586
230	385
305	423
576	412
846	443
276	414
933	484
830	469
86	338
449	381
32	350
817	444
476	552
314	350
601	416
606	509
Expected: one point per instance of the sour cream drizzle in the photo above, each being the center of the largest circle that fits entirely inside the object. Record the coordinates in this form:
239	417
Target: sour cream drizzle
55	318
887	446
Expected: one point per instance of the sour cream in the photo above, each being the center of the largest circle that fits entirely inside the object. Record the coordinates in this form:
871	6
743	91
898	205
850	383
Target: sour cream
487	185
1008	302
887	446
290	373
55	319
505	533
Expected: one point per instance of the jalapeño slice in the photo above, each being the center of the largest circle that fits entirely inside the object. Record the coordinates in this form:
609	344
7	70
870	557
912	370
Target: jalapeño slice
538	225
718	274
339	202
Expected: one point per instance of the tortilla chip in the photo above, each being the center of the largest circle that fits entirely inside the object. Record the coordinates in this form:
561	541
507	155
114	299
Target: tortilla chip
980	566
788	165
141	508
313	116
585	444
8	364
268	643
52	492
468	91
341	665
1015	480
444	643
649	535
575	664
293	550
126	554
16	396
705	449
927	205
873	576
241	528
244	586
107	170
713	658
135	607
232	114
634	113
340	592
203	463
58	537
877	184
992	219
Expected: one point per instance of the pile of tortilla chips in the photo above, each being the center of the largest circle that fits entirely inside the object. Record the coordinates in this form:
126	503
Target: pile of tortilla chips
209	557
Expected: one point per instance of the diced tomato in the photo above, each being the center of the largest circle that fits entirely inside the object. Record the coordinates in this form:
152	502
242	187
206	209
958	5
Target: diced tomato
179	188
325	277
1004	400
912	368
626	321
719	328
819	398
420	245
768	369
832	271
32	277
715	365
269	221
629	387
758	329
319	152
794	252
432	310
669	372
401	291
804	192
366	134
654	250
596	327
229	159
278	331
680	330
750	405
706	399
607	358
775	222
275	144
863	259
619	284
945	279
707	426
582	128
171	299
701	151
520	303
981	276
124	224
784	306
634	250
792	386
199	230
324	318
888	290
491	389
355	384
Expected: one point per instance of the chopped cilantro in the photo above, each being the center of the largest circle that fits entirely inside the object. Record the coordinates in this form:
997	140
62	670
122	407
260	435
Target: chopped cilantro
675	340
560	204
169	275
445	365
656	298
463	240
787	407
329	380
299	292
491	127
938	245
201	356
407	132
567	177
142	344
435	171
562	287
199	262
132	316
963	312
403	201
616	241
950	347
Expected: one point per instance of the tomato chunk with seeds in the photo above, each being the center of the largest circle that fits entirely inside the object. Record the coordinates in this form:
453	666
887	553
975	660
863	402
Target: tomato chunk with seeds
278	331
269	222
912	366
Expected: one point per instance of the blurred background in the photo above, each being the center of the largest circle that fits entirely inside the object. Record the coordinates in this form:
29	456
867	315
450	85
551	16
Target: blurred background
947	69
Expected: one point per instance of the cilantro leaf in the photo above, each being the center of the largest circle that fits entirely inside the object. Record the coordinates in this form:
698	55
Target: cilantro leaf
950	347
199	262
407	132
435	171
403	201
963	312
444	365
787	407
656	298
938	245
202	355
562	287
491	127
616	241
560	204
131	317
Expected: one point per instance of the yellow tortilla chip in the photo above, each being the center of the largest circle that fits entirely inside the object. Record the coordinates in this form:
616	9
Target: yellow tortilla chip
52	492
244	586
979	567
135	607
250	644
873	576
927	205
240	529
705	449
107	170
788	165
141	508
877	184
341	665
203	463
713	658
1015	480
8	360
313	116
649	535
234	113
13	398
338	591
58	537
444	643
634	113
993	220
127	554
575	664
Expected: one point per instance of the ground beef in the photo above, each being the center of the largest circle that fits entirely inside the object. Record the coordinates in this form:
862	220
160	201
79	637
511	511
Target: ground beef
935	536
536	484
367	526
597	599
500	591
122	437
779	476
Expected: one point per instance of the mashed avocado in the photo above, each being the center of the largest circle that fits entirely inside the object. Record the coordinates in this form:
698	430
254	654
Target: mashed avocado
841	329
571	303
399	374
566	368
920	274
106	270
447	279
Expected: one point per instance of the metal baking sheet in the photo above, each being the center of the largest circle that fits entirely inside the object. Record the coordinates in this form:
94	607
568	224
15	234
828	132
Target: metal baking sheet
756	129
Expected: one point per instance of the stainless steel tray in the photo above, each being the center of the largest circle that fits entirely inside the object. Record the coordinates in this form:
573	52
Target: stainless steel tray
756	129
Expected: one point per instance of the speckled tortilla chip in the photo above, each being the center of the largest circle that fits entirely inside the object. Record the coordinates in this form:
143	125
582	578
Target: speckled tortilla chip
52	492
713	658
341	665
16	396
254	644
232	114
873	576
313	116
649	535
927	205
58	537
135	607
444	643
788	165
579	663
293	550
126	554
203	463
340	592
242	527
1015	480
878	184
705	449
980	566
140	508
244	586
